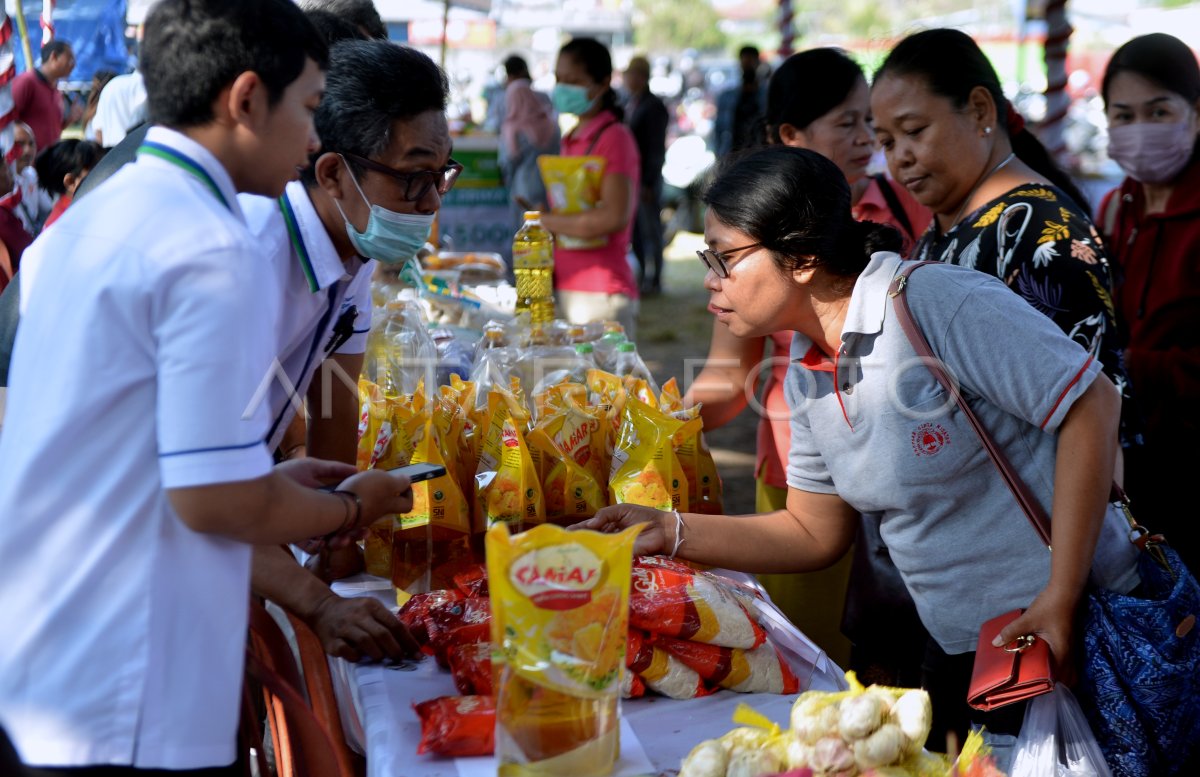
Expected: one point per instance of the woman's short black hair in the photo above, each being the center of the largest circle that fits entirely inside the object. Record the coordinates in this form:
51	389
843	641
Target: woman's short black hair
193	49
951	63
1161	58
66	157
796	203
593	56
807	86
370	84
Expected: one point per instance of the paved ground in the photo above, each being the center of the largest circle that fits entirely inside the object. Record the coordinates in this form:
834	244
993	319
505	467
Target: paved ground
674	328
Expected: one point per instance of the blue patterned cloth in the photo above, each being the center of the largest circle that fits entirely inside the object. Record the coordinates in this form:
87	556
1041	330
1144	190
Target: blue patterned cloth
1141	672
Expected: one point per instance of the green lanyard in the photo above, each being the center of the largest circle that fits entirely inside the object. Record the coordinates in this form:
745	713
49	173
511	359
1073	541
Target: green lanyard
293	228
186	163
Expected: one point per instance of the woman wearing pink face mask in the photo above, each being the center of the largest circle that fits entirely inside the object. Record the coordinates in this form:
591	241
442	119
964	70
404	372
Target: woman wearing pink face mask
1151	223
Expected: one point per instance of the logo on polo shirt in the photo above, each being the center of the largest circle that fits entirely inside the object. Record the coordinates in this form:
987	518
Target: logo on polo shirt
929	438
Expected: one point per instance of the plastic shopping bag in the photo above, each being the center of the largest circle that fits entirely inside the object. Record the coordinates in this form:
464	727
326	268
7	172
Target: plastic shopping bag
1056	741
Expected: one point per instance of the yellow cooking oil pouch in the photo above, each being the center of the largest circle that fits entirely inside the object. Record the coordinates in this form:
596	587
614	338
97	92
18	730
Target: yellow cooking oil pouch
559	396
640	389
405	421
704	484
374	424
472	426
645	469
570	491
439	524
573	185
506	482
560	616
579	432
670	400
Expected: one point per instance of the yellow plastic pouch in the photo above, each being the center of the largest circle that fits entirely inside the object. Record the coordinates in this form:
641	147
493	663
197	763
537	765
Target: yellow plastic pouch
704	483
437	529
645	469
374	424
670	400
640	390
560	614
560	396
571	492
573	186
508	486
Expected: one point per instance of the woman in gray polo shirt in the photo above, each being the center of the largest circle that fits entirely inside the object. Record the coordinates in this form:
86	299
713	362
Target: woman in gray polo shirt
873	431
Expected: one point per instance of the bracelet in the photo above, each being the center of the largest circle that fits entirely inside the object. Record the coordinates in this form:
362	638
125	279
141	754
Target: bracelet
678	533
351	519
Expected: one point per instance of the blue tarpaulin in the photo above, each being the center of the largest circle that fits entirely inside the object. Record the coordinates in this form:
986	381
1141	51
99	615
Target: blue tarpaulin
94	28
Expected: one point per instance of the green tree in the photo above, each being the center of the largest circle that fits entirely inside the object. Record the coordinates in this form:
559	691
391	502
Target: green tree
676	25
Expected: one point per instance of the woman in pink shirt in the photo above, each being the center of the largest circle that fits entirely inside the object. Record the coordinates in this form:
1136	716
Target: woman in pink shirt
818	100
596	283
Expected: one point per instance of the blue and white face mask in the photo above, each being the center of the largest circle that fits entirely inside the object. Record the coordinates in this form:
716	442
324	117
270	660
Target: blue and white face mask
390	237
569	98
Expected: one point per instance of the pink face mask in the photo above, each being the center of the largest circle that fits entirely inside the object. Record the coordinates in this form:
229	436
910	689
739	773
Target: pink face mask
1152	153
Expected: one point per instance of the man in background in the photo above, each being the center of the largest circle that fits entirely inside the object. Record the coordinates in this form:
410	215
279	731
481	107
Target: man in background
122	107
27	201
36	99
740	108
647	117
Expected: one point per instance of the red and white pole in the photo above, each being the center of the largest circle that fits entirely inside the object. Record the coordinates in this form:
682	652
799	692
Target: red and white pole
1058	102
787	29
8	71
47	21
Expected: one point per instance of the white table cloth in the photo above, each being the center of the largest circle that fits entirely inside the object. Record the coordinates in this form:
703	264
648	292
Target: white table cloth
376	702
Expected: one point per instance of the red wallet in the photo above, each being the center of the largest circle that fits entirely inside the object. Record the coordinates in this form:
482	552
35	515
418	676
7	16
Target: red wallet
1015	672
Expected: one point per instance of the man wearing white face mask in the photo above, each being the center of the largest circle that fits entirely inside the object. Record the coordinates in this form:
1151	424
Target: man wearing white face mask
1151	224
369	195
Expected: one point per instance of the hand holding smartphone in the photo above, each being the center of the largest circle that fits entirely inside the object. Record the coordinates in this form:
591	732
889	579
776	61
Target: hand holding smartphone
415	473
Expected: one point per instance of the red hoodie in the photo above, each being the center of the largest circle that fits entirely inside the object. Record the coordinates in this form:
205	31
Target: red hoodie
1158	303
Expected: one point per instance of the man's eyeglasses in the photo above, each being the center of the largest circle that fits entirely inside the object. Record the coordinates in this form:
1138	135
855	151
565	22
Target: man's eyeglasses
717	261
414	186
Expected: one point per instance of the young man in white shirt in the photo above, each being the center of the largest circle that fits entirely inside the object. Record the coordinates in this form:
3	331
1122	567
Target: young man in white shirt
136	471
121	107
385	104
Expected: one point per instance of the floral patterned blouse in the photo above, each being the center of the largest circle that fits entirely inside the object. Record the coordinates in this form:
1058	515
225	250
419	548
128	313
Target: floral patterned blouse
1038	241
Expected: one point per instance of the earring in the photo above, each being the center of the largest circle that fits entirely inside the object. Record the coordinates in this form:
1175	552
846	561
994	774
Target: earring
987	130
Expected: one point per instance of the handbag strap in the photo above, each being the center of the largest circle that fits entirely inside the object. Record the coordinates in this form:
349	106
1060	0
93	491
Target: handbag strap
1025	498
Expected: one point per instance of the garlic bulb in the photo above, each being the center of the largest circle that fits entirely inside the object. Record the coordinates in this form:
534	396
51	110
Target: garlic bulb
745	738
707	759
814	721
860	715
884	747
913	713
754	763
831	755
799	754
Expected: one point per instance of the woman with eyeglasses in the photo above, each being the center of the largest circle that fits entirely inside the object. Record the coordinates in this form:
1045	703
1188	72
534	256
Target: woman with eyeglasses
873	431
1151	224
819	100
595	283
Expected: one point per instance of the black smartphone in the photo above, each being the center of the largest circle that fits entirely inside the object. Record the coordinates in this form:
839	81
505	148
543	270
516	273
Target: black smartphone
418	472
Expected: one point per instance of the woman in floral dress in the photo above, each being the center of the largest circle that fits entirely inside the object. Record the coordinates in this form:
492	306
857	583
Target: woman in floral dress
1000	204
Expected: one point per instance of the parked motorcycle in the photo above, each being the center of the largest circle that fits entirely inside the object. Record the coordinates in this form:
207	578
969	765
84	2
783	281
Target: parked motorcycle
687	171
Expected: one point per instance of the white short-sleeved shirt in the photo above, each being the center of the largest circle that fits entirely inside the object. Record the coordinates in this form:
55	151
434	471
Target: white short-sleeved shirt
121	107
141	344
325	309
876	428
